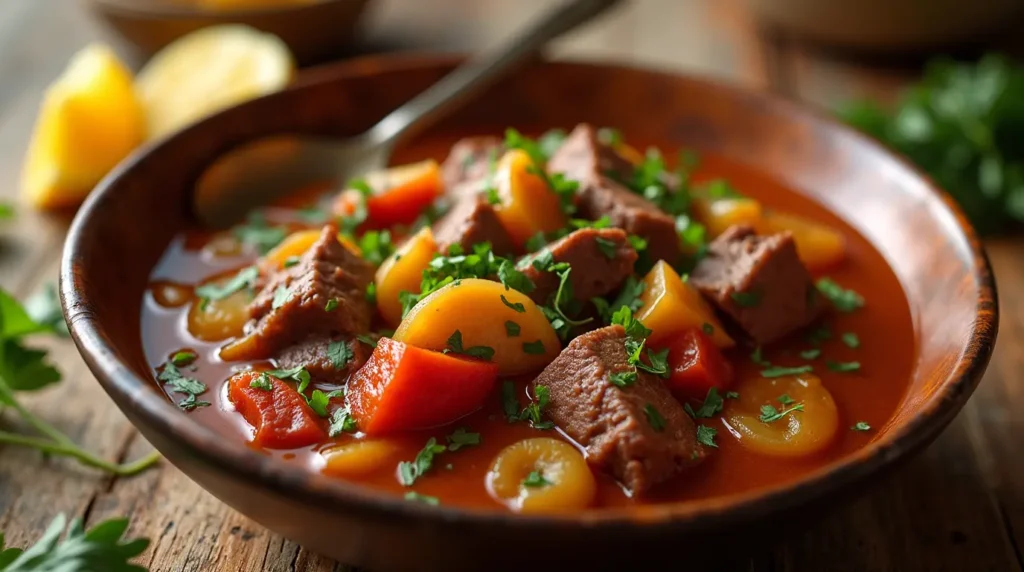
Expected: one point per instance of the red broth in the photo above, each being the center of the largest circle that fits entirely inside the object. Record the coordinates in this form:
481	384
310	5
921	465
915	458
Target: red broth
871	394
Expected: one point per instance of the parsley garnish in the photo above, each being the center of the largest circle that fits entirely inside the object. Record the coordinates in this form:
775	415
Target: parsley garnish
44	309
861	426
843	367
290	261
757	358
536	242
746	299
636	338
819	335
245	279
655	419
281	297
262	381
769	414
376	246
331	305
341	422
190	387
533	411
455	347
298	374
732	395
534	348
708	329
851	340
102	547
413	496
408	471
607	247
628	296
258	234
318	401
184	358
514	279
844	300
623	378
511	329
778	371
339	353
518	306
706	435
462	438
712	404
813	353
535	480
367	339
509	401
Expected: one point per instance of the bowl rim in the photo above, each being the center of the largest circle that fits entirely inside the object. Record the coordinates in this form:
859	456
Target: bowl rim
312	489
167	9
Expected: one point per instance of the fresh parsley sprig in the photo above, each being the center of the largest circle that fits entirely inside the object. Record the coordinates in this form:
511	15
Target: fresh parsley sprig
102	548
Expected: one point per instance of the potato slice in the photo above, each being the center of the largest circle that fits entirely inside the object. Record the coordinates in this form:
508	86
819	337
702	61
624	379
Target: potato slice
403	272
358	458
541	475
818	246
671	305
717	215
528	205
485	314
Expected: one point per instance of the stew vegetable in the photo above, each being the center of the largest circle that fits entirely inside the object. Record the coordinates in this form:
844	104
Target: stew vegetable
538	325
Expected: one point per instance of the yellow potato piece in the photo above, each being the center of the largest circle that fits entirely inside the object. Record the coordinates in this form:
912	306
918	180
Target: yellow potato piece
208	70
528	205
90	119
294	245
474	307
358	458
717	215
670	305
801	432
818	246
562	481
219	319
403	272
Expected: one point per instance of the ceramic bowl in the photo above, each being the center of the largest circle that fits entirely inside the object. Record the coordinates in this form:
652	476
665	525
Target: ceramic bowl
128	221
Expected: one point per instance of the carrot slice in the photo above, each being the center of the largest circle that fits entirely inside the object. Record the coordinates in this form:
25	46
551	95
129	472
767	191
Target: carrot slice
400	194
281	417
696	366
403	388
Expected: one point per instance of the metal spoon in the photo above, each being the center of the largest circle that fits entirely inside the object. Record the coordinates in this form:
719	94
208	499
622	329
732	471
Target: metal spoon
244	177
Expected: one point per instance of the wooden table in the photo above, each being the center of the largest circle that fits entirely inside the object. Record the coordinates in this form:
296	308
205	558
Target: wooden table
959	506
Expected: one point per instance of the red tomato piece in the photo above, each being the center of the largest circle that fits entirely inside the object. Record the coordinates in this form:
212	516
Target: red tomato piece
403	388
281	417
400	195
697	365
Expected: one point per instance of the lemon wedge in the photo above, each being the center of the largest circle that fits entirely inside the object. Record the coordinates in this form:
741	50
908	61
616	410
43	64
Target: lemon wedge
208	70
89	120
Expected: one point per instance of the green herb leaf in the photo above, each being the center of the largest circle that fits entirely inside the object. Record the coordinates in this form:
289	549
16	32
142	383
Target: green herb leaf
455	346
844	300
462	438
779	371
6	211
102	547
258	234
757	358
769	414
746	299
318	402
44	309
245	279
341	422
732	395
262	381
339	353
607	247
861	426
281	297
184	358
330	306
408	472
413	496
297	373
819	335
713	404
708	329
509	401
290	261
535	480
811	353
518	306
533	348
785	399
190	387
851	340
623	378
376	246
843	367
367	339
514	279
533	412
511	329
654	417
706	436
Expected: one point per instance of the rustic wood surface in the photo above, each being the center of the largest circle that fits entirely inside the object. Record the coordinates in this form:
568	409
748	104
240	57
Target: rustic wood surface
959	506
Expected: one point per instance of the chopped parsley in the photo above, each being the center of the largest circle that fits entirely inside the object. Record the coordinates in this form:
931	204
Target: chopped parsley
861	426
184	358
455	346
785	399
813	353
258	234
331	305
509	401
844	300
190	387
245	279
746	299
636	339
769	413
290	261
706	435
534	348
818	335
281	297
851	340
708	329
535	480
533	411
409	471
623	378
536	242
514	279
779	371
413	496
339	353
462	438
757	358
607	247
628	296
297	373
443	270
371	293
732	395
654	418
843	367
512	329
713	404
517	307
341	422
262	381
609	136
367	339
319	400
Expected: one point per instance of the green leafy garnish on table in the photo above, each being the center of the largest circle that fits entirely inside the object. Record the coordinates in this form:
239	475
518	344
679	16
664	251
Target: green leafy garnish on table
964	125
6	211
102	548
24	369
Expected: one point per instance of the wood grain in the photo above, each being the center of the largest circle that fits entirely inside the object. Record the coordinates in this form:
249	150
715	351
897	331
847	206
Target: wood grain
960	506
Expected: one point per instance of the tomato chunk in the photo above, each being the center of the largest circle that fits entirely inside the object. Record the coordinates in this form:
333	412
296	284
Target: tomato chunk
400	194
697	365
403	387
281	417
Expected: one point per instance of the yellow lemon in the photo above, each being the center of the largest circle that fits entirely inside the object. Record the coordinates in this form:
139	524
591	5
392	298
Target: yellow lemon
208	70
89	120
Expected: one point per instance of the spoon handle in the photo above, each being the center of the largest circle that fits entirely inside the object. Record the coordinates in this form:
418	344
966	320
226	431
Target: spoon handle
481	70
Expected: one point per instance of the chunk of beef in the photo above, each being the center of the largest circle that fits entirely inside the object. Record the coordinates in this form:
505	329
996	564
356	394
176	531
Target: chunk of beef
292	306
470	221
582	158
326	359
759	281
600	260
614	424
469	161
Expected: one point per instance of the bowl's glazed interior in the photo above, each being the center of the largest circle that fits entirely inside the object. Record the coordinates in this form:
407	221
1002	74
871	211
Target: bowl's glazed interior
127	223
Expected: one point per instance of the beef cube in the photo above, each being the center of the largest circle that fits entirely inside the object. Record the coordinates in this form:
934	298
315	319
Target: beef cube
584	160
324	360
469	160
292	306
471	221
758	281
614	424
600	260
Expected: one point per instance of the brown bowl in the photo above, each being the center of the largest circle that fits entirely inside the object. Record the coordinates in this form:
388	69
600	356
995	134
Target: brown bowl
314	32
128	221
